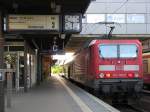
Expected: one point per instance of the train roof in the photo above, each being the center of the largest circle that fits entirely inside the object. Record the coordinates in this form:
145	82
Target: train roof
92	41
113	41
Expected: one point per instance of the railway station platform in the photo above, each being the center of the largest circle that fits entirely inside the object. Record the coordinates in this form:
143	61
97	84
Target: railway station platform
58	95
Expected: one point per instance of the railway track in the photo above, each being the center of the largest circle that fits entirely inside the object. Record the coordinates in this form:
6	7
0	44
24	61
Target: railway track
146	92
126	107
129	108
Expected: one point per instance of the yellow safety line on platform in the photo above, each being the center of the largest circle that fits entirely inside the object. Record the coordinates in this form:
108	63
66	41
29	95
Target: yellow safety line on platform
77	99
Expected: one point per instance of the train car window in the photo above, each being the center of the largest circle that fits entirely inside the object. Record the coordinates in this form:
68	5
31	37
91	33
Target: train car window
128	51
108	51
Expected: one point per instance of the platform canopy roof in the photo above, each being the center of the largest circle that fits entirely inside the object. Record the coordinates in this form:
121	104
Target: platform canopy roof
44	6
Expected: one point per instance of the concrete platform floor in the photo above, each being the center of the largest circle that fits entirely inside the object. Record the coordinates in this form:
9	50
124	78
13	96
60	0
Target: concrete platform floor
58	95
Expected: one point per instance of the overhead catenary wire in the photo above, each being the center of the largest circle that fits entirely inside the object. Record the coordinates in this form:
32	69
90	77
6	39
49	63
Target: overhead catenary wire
112	24
121	6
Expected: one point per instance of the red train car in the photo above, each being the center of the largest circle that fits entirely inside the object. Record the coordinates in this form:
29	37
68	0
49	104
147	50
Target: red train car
109	66
146	69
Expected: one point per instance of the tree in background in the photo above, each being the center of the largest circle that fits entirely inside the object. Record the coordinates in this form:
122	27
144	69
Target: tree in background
56	69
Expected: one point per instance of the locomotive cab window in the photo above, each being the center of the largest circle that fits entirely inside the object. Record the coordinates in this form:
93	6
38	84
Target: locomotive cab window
128	51
118	51
108	51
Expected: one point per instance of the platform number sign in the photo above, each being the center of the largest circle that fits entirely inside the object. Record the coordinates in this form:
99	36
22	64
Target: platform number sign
72	23
53	22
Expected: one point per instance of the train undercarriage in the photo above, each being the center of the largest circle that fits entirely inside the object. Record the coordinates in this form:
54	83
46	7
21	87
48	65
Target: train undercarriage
119	91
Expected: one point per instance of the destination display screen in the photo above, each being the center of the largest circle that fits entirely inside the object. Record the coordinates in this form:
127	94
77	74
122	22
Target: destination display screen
33	22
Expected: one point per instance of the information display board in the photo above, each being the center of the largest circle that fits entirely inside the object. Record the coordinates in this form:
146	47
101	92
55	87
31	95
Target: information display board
72	23
33	22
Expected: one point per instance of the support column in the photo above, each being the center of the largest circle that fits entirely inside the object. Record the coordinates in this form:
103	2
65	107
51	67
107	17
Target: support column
36	65
9	87
2	106
25	67
17	72
39	68
30	73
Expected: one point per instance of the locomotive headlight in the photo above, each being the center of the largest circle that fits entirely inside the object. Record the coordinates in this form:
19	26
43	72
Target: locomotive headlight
130	75
101	75
108	75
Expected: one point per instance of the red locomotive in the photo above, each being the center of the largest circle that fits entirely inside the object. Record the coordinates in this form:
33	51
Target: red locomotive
109	66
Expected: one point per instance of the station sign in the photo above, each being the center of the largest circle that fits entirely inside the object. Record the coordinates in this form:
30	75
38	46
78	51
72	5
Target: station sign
33	23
